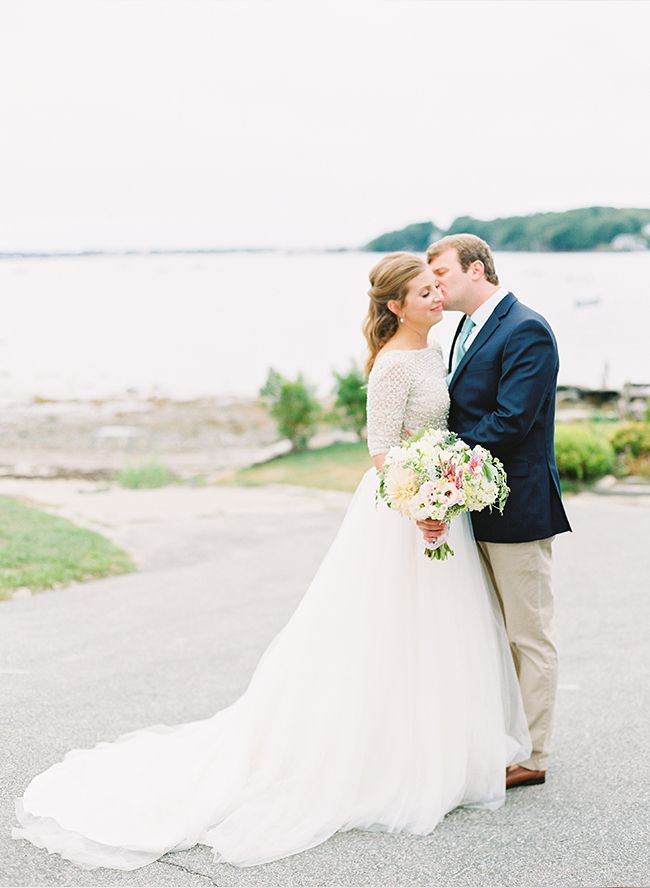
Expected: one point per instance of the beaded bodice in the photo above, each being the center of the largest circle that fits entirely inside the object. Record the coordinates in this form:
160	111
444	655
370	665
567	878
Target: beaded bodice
407	390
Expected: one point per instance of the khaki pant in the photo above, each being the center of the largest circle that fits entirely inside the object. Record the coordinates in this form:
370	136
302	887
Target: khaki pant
521	573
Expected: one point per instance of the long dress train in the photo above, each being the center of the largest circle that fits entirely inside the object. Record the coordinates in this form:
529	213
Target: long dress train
388	699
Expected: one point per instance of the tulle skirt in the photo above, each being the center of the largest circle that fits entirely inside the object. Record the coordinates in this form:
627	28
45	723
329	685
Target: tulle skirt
389	699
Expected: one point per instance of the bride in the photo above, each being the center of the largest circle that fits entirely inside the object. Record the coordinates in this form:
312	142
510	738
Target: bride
389	698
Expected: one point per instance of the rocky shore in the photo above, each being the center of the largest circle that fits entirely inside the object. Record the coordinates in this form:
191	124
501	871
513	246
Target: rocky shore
94	439
208	437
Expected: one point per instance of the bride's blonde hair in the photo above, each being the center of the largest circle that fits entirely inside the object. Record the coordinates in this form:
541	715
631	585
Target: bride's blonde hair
390	278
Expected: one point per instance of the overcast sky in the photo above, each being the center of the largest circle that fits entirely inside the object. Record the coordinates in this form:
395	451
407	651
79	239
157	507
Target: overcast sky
211	123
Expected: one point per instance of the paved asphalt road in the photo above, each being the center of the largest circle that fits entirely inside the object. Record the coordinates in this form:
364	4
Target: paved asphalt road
179	640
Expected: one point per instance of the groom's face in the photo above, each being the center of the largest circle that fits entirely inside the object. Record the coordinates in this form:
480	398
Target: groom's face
452	281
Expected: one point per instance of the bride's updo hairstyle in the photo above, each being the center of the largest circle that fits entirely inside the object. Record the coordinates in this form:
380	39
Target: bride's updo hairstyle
390	279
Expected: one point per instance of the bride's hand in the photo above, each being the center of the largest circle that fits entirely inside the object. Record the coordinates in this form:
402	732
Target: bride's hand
431	529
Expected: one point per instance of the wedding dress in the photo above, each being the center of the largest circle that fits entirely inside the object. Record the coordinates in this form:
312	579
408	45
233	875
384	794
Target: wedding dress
389	699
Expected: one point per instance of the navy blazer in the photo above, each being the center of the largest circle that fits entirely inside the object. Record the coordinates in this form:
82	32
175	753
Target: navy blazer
503	398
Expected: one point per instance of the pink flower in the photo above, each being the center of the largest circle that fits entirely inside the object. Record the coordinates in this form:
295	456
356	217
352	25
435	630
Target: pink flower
429	493
475	464
453	495
447	468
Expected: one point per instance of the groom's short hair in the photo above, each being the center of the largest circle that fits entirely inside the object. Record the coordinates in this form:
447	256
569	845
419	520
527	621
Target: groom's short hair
469	248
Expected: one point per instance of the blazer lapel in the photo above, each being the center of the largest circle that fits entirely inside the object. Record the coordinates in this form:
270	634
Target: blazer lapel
484	333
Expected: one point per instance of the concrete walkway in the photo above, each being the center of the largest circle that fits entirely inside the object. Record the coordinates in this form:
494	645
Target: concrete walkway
222	570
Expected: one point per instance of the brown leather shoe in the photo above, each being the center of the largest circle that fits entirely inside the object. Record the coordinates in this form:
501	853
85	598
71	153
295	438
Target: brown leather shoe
518	776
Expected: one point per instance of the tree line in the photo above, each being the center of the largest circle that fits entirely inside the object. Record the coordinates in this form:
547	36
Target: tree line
591	228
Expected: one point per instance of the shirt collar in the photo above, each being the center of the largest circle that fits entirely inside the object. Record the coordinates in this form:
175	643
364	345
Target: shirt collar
484	311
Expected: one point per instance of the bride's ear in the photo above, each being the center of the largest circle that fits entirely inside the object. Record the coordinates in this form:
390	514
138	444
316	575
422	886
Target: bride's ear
394	306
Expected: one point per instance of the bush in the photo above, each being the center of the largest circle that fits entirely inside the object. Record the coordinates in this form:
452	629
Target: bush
632	439
351	396
582	453
293	406
631	443
146	475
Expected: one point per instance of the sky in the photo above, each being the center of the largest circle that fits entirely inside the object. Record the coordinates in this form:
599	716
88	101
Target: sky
218	124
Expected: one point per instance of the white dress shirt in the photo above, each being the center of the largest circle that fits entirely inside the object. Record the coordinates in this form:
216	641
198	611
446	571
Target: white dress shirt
483	312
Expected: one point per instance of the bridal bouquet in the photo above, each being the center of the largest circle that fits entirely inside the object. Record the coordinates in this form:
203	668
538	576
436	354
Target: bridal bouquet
436	475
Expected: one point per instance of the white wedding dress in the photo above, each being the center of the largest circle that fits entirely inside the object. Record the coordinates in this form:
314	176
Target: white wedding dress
388	699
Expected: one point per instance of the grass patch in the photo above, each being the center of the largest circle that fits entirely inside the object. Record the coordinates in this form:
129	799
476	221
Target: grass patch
145	476
40	551
337	467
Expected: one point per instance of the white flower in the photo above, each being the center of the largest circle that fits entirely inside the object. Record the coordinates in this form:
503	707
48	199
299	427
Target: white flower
429	443
428	503
481	494
401	487
396	456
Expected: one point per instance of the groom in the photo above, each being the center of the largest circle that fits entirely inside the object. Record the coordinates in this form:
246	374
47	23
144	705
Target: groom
503	371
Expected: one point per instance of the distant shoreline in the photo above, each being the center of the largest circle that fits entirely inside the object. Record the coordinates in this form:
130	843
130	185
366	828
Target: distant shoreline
218	251
586	229
207	251
181	252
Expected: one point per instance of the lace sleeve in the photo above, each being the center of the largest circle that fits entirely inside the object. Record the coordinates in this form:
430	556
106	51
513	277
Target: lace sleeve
388	387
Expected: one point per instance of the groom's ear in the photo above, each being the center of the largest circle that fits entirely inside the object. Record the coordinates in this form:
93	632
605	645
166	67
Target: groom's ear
477	270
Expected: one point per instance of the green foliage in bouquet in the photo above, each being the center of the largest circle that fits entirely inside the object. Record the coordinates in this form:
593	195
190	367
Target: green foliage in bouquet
294	407
351	397
582	453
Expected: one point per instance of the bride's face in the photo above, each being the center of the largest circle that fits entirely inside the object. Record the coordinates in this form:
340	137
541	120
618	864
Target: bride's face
423	304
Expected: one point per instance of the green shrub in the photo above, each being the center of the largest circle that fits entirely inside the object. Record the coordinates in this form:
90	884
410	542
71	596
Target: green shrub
351	396
145	475
293	406
582	453
632	439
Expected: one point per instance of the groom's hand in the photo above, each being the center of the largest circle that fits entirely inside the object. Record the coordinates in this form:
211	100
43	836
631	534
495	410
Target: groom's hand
431	529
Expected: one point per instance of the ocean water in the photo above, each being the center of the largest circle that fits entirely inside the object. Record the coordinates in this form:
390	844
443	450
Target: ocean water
184	326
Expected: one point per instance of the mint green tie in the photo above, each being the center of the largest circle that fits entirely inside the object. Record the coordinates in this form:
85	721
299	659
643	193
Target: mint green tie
468	326
459	351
